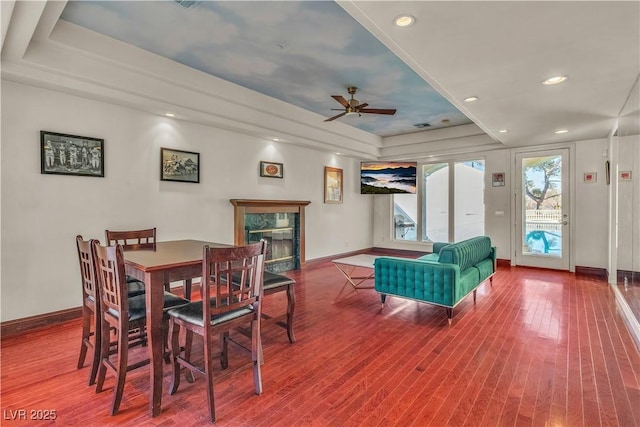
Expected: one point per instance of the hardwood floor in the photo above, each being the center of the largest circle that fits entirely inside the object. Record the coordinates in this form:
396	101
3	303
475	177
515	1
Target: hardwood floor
538	348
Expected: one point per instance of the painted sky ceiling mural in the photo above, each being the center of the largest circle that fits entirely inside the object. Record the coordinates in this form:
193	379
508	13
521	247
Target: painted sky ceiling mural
301	52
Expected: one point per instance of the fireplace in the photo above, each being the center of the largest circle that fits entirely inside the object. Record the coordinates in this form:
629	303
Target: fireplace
279	222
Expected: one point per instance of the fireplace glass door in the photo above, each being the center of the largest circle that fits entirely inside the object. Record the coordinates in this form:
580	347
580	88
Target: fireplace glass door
280	230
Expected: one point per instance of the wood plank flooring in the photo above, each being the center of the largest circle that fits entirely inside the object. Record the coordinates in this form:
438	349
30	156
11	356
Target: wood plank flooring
538	348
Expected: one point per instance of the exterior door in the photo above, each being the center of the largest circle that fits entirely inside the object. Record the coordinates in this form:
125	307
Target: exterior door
542	209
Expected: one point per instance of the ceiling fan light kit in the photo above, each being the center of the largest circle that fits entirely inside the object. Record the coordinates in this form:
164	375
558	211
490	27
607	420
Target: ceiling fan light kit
353	106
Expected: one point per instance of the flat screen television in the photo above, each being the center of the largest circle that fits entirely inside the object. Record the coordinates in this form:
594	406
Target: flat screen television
388	177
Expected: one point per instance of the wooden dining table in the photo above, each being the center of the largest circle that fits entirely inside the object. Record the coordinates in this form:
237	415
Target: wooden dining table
171	261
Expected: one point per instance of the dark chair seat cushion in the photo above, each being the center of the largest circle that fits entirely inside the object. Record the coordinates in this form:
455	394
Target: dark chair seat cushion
138	306
270	280
192	313
171	301
273	280
134	287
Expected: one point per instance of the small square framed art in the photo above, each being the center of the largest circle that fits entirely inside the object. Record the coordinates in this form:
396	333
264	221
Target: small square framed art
271	169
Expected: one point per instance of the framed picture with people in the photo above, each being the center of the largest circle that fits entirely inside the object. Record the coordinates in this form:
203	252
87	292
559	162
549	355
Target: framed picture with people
179	165
64	154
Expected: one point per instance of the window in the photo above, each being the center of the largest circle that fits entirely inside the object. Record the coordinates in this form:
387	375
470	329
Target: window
405	214
469	200
435	226
452	204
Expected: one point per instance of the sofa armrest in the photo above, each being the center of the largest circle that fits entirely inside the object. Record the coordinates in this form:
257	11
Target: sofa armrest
439	245
417	279
494	257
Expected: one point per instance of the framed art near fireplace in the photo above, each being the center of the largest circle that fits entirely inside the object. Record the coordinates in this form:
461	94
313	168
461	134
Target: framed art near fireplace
332	185
271	169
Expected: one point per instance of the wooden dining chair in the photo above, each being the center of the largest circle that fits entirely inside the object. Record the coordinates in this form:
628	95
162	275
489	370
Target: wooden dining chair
225	306
90	307
136	240
133	240
274	283
122	314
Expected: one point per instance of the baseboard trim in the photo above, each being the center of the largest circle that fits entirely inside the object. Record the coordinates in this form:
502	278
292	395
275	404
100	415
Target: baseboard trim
503	262
399	252
592	271
316	261
13	327
622	274
374	250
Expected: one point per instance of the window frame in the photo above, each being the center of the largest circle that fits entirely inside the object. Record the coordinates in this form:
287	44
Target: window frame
451	162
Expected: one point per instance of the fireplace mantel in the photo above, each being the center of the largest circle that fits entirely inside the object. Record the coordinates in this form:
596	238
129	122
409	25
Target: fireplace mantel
242	207
259	203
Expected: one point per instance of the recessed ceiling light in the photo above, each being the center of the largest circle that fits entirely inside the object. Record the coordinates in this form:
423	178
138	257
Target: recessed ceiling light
554	80
503	131
471	99
561	131
276	139
404	21
169	114
338	154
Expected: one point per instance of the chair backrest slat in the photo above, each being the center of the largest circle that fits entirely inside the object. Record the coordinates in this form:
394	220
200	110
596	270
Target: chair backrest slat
133	240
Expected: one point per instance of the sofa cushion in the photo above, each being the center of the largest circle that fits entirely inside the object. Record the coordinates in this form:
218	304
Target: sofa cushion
429	257
467	252
416	279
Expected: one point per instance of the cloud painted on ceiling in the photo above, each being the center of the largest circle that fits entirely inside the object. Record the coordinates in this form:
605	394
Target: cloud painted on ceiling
298	52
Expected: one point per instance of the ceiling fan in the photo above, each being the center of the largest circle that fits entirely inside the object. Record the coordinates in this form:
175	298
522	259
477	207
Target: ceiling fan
353	106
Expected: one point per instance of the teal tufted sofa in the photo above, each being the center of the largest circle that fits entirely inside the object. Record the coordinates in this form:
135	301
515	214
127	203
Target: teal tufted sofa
443	277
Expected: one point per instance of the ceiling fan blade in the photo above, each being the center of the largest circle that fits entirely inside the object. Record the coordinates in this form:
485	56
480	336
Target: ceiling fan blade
335	117
361	106
341	100
379	111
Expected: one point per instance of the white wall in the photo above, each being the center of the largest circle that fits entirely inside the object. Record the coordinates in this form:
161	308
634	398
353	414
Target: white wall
498	200
628	192
591	206
41	214
628	204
